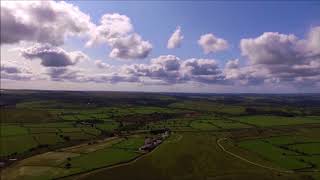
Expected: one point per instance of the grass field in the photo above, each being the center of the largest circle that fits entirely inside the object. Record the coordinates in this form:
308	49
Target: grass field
187	156
229	124
209	106
203	125
289	152
267	121
16	144
108	126
80	158
13	130
43	130
26	115
48	138
78	132
132	143
274	154
103	157
309	148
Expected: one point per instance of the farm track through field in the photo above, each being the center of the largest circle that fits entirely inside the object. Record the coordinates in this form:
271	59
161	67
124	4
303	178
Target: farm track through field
83	174
248	161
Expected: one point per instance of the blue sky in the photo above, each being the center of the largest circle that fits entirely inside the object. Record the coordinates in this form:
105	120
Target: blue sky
252	46
157	20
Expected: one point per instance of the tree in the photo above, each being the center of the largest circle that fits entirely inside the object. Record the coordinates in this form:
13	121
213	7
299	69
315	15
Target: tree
68	165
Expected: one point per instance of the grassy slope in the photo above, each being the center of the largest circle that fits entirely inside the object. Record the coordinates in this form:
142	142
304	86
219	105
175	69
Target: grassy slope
194	156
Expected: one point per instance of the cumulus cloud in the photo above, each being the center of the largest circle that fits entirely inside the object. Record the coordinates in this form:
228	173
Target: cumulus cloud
202	70
210	43
52	56
114	78
41	21
102	65
50	22
117	31
232	64
112	26
65	74
245	75
72	74
272	48
170	69
164	68
282	57
313	41
175	39
13	71
130	47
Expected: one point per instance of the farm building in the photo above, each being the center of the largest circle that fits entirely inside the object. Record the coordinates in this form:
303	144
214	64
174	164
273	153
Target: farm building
151	143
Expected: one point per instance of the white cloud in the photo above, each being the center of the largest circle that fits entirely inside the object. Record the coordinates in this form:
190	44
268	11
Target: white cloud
272	48
52	56
112	27
284	58
313	41
117	31
130	47
14	71
102	65
232	64
175	39
210	43
41	21
170	69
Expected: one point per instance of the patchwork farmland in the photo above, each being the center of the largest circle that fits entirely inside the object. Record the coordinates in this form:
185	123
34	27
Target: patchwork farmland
114	135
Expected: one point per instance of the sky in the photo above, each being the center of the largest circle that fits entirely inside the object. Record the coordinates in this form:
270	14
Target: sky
161	46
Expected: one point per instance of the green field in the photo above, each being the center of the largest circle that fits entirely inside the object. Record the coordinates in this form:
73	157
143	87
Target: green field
108	126
203	125
132	143
209	106
16	144
50	134
43	130
187	156
289	152
81	159
26	115
48	138
309	148
274	154
102	158
266	121
229	124
13	130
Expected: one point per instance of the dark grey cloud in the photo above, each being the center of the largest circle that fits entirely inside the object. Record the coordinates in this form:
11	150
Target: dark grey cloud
51	56
41	21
